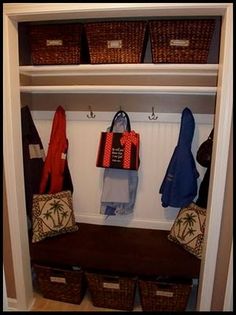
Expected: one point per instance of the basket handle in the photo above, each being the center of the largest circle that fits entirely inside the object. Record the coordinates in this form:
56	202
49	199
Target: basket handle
113	279
165	285
57	273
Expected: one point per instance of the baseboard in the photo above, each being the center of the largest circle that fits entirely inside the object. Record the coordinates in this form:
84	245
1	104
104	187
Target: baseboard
12	304
124	221
33	300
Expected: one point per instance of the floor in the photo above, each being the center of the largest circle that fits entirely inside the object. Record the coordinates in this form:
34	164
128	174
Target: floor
42	304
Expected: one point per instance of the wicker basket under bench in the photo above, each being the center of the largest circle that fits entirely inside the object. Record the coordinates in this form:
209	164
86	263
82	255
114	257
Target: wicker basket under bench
65	284
164	294
111	290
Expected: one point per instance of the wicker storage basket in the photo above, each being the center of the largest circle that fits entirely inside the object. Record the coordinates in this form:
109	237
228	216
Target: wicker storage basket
163	294
181	41
116	41
115	292
61	284
55	44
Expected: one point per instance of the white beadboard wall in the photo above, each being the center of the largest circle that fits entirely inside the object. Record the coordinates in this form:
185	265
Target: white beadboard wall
158	141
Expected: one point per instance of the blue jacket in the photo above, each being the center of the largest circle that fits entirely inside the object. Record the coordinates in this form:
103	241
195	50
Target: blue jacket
179	186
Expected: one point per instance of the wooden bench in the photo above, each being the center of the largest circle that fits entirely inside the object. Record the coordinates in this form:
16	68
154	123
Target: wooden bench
134	251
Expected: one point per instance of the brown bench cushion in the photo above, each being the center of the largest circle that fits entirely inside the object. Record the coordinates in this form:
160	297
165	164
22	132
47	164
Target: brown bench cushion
140	252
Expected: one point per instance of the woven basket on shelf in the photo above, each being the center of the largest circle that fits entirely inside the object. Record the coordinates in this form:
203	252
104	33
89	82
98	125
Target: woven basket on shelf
181	41
116	41
60	284
114	292
159	295
55	44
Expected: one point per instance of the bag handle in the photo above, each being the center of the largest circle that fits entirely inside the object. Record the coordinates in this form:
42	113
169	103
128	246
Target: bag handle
121	112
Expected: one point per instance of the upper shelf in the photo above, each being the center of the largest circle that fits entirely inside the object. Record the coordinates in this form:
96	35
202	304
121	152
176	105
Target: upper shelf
120	89
122	69
120	78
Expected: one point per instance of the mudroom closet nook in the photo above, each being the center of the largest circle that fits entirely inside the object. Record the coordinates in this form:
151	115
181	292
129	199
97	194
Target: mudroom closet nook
153	94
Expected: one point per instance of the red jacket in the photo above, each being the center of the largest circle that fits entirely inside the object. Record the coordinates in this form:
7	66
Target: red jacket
56	161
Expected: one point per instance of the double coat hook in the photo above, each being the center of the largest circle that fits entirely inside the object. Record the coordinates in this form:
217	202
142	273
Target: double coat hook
91	114
153	116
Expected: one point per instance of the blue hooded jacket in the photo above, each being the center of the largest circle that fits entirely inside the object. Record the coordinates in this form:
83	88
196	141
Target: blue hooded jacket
179	186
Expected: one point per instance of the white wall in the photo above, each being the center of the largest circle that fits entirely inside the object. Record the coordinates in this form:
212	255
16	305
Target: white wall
158	141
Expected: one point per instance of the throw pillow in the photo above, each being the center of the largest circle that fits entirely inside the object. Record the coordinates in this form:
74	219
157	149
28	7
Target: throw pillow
188	229
52	214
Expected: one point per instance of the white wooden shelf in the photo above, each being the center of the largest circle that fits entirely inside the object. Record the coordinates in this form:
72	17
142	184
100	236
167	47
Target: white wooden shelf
120	78
122	69
117	89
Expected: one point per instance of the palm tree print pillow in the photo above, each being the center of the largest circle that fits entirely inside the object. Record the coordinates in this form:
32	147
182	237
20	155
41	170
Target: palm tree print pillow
52	214
188	229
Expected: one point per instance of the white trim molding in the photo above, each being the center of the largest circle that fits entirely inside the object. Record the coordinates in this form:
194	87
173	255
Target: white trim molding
134	116
12	304
5	304
125	220
228	301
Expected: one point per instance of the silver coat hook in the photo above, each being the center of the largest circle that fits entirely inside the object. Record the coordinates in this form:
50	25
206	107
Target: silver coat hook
153	116
91	114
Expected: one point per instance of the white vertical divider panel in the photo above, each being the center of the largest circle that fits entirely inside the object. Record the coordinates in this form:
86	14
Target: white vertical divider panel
220	151
13	169
158	141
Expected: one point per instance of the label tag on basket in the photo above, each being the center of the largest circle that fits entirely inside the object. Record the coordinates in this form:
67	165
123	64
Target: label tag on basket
76	268
179	42
58	279
54	42
164	293
111	285
114	44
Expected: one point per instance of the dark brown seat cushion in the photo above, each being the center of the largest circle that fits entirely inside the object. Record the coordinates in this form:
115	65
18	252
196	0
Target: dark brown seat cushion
136	251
